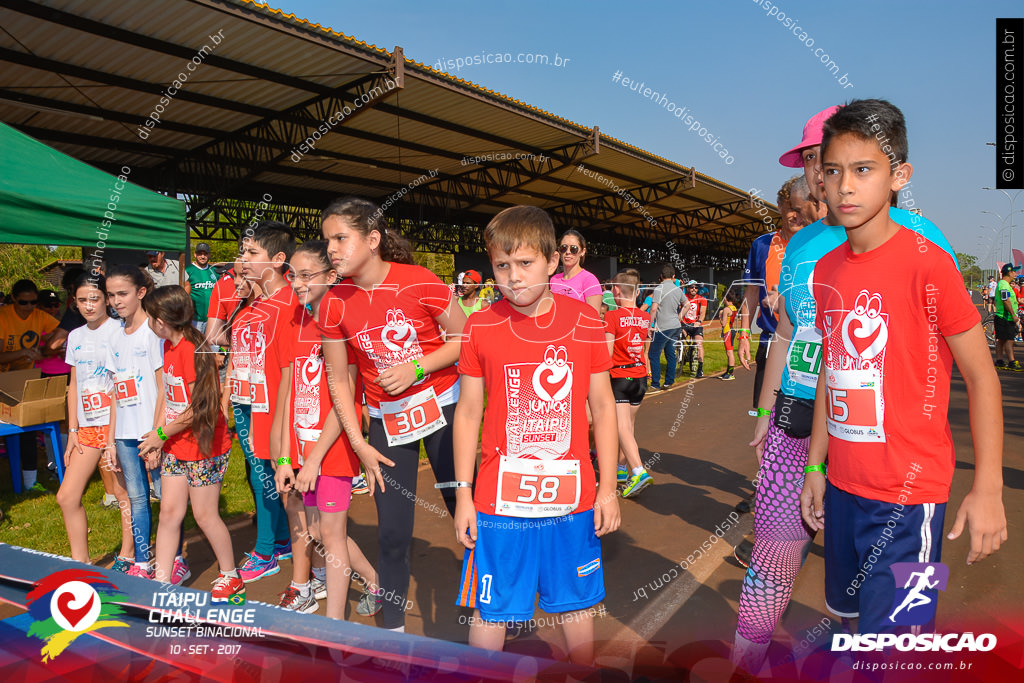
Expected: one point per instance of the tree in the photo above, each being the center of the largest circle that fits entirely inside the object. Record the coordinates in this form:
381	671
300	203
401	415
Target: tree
970	270
23	261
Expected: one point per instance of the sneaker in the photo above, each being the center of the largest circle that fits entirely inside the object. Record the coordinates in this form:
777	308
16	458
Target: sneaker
293	600
654	387
109	501
256	567
621	474
283	551
137	570
637	483
370	603
318	588
359	485
36	488
122	564
153	498
226	586
1000	364
1015	366
700	372
180	571
727	376
742	553
666	387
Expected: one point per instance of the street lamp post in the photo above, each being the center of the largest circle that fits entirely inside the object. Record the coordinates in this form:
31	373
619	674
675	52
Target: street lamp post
1009	216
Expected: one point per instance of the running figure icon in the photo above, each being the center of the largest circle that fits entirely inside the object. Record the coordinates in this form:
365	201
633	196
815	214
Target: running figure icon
916	596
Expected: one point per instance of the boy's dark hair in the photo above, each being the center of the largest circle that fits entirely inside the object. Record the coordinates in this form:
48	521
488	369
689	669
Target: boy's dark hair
668	271
877	120
276	238
521	226
23	287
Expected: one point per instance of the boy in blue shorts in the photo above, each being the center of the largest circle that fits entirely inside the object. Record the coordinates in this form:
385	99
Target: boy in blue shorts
881	403
533	524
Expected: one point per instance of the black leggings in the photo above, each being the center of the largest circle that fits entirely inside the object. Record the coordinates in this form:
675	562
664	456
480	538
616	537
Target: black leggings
396	507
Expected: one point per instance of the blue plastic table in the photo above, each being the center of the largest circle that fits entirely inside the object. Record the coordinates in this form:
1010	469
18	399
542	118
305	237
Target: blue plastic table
14	448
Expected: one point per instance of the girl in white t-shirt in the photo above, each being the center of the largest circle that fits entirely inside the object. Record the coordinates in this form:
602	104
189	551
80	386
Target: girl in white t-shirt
136	357
91	419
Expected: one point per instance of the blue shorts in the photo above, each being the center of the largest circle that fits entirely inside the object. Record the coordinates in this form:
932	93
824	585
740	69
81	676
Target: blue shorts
863	538
515	559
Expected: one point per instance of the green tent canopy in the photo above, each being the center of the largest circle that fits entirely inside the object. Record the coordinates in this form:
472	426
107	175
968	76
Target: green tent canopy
47	197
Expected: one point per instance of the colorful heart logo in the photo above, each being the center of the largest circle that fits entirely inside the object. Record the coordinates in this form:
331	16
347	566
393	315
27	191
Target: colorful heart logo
864	330
552	380
75	606
398	334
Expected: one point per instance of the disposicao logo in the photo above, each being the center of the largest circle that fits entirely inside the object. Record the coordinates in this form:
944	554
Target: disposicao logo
68	603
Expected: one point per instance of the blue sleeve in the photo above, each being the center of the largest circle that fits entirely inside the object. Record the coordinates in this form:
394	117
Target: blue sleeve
925	229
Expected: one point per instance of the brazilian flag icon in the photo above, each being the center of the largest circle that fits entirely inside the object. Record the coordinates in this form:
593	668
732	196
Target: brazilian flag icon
236	599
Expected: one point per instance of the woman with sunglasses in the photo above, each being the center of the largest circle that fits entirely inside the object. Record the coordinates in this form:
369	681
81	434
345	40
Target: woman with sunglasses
574	281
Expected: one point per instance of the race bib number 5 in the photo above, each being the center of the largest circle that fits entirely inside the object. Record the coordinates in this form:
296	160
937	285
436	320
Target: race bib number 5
528	487
412	418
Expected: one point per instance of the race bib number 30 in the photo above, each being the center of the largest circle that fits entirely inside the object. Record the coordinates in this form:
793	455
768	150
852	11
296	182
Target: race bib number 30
528	487
412	418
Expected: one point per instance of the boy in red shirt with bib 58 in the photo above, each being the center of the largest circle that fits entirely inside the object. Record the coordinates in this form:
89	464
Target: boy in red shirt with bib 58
881	405
534	523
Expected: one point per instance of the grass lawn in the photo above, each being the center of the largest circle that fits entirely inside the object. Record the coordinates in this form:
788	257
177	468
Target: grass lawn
34	520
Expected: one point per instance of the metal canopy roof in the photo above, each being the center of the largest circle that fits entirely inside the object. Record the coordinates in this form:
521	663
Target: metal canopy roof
85	75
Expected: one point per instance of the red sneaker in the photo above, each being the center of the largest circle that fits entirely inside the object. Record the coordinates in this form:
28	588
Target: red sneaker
226	586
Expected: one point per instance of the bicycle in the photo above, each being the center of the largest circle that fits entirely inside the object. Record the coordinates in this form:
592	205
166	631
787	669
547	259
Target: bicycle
687	350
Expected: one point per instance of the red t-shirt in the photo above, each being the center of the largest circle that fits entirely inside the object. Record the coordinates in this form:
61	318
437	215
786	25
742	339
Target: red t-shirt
889	437
267	321
311	396
537	375
179	373
631	327
390	325
693	306
223	298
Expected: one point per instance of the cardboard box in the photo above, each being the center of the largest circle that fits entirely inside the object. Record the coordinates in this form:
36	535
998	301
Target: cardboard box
26	398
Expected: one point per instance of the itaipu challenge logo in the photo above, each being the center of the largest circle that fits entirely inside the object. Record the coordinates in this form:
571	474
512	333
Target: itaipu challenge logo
67	604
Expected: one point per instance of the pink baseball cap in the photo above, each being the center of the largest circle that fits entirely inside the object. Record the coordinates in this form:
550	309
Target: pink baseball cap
813	131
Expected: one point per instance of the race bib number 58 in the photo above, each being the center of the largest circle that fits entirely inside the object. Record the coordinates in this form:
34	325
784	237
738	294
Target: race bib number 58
528	487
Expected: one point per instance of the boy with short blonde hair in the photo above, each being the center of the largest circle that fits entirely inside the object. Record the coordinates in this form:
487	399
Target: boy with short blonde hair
533	524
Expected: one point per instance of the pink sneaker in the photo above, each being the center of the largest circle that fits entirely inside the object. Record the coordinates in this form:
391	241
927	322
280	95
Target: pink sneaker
180	571
137	570
256	567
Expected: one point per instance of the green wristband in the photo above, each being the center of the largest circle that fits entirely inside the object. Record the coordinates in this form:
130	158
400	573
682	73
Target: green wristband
820	467
762	412
420	372
160	433
284	461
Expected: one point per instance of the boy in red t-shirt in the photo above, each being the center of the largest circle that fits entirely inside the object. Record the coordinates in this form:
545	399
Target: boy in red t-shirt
534	521
881	405
628	331
263	261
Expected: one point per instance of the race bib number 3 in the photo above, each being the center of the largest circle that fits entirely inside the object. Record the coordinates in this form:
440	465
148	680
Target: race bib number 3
126	389
412	418
96	406
258	392
528	487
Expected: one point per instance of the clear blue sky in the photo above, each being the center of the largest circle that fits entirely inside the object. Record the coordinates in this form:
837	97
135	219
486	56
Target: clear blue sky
743	74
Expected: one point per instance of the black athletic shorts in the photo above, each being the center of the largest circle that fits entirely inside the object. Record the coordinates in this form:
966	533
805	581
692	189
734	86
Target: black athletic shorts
1005	329
693	330
629	390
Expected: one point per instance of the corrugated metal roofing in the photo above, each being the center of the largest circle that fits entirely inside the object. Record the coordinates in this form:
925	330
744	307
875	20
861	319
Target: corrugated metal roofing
84	75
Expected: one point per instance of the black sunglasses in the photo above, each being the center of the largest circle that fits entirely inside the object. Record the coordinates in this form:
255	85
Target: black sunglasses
28	302
571	248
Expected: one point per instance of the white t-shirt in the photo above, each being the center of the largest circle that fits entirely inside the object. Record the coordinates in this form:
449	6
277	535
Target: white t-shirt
87	353
992	289
134	359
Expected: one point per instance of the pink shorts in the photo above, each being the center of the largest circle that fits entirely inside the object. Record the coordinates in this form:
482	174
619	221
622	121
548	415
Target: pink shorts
332	493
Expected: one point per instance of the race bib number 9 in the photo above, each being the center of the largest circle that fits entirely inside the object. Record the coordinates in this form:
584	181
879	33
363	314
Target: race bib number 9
412	418
126	387
96	406
854	406
528	487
